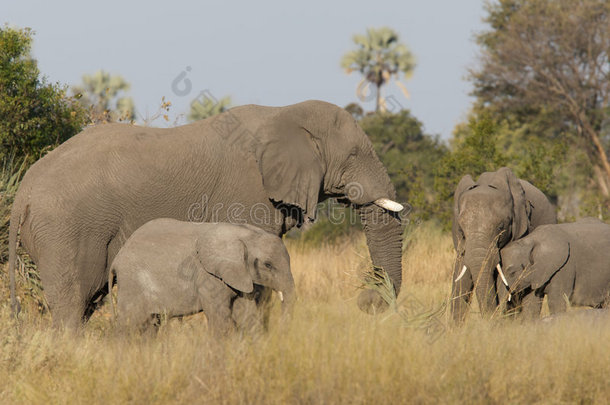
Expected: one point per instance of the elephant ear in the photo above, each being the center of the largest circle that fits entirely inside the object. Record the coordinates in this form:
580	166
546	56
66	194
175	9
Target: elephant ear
465	184
290	164
521	207
229	263
547	258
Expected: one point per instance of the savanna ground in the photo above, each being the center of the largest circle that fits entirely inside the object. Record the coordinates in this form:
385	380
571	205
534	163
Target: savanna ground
329	353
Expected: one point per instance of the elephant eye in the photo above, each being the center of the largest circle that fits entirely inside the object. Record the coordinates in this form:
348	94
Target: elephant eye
268	265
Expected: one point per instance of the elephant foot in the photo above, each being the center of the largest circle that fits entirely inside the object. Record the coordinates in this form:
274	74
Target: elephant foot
371	302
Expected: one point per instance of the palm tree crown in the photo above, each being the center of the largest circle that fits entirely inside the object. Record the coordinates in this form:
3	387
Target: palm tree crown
379	56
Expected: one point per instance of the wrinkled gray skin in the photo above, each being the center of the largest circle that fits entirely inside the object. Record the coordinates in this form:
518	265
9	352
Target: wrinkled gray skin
565	262
488	214
175	268
266	166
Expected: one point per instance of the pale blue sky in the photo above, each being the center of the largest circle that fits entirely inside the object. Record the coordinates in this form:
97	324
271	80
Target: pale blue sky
263	52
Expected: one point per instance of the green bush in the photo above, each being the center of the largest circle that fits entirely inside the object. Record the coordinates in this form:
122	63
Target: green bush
335	221
408	153
474	153
10	177
35	115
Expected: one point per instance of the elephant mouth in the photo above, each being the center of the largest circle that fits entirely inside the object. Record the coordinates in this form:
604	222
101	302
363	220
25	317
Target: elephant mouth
356	193
385	203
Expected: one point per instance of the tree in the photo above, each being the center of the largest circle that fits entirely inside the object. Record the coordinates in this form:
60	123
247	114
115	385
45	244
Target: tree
101	94
409	155
379	56
205	105
476	152
480	146
545	66
35	115
355	109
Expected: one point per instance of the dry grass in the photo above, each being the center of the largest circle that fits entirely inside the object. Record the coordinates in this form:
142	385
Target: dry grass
329	353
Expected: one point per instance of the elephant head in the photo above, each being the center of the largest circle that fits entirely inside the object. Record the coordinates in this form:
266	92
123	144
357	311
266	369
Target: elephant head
314	150
488	214
249	259
531	262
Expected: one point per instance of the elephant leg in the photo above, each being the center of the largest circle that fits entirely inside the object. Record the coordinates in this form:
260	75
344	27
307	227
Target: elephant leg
556	300
65	301
531	304
221	322
216	300
134	311
461	293
70	286
247	315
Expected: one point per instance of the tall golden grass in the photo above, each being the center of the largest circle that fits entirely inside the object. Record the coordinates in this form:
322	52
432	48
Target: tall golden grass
329	353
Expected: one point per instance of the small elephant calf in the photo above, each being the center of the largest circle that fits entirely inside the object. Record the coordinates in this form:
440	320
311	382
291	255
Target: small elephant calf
567	262
173	268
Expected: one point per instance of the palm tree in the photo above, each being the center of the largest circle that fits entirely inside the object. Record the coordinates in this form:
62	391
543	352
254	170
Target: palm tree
100	93
379	55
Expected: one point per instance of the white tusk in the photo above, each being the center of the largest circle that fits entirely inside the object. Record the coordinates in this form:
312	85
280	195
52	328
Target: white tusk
461	274
502	274
509	296
389	204
280	295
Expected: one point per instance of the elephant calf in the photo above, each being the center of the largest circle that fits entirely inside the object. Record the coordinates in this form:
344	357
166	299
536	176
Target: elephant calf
174	268
567	262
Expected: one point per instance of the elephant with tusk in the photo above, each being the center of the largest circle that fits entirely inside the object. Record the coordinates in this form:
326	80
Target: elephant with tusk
174	268
498	267
568	263
264	166
487	215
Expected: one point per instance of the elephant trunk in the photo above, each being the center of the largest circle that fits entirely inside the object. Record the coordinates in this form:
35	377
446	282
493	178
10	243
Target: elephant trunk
384	239
482	261
287	294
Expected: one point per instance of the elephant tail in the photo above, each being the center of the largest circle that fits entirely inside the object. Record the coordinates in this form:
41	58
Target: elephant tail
17	219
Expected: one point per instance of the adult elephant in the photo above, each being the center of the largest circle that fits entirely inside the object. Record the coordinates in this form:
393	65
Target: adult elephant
267	166
487	215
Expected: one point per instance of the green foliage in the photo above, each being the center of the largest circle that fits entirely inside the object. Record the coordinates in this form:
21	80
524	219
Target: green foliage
35	115
409	154
10	177
476	152
538	162
29	284
379	56
544	73
335	221
102	94
206	106
355	109
486	145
